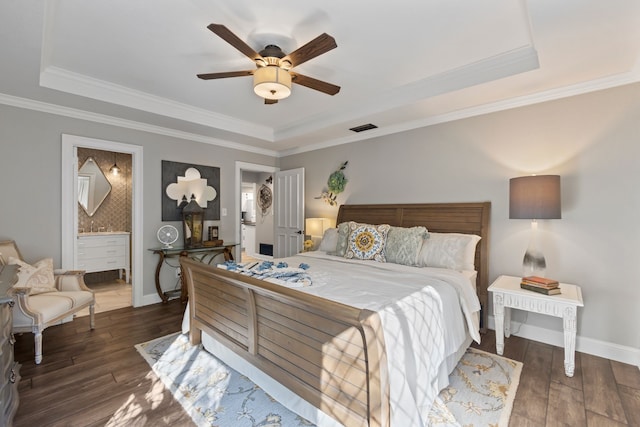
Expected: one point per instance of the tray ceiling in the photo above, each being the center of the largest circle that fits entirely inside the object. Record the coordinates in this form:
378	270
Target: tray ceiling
400	65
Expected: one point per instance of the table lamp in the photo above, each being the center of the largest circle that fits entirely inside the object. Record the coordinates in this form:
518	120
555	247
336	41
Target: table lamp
315	228
534	197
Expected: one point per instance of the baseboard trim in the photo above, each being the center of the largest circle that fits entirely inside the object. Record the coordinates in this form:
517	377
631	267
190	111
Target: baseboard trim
591	346
151	299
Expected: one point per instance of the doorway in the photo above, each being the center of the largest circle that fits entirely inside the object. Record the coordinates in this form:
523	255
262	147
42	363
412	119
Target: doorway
72	226
254	225
248	216
104	225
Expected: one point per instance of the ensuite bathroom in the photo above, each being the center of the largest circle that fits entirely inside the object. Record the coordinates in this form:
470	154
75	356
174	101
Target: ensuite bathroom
104	225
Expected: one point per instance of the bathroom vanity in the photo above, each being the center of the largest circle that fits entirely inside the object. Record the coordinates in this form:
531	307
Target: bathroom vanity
103	251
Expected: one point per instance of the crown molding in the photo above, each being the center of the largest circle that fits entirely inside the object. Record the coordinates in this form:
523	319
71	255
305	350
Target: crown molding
78	84
607	82
499	66
505	64
75	113
522	101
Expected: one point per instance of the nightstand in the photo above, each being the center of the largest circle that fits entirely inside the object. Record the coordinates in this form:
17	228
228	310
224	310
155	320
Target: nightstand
507	294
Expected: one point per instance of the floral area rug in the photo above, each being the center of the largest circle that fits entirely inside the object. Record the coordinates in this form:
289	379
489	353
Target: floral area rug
481	391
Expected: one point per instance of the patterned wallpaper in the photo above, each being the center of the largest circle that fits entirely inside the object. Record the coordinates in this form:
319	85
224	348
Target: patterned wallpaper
115	211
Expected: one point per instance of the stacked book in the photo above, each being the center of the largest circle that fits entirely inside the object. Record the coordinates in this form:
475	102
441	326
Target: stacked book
541	285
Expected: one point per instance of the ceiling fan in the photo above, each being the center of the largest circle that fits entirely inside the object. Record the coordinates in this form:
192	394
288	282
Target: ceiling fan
272	77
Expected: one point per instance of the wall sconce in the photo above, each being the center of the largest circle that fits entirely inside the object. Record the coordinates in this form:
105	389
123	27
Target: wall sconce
315	228
193	224
534	197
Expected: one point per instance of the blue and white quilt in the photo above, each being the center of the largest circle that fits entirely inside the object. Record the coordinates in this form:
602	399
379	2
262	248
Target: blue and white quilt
280	273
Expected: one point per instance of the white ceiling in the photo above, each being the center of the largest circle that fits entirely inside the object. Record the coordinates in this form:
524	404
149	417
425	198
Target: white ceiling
401	65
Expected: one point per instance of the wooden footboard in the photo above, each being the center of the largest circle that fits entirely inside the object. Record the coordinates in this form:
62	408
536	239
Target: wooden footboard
330	354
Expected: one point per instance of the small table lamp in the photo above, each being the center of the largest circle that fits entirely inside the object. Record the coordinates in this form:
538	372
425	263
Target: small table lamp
315	228
534	197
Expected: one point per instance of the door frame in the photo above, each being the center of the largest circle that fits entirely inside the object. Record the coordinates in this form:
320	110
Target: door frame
70	144
249	167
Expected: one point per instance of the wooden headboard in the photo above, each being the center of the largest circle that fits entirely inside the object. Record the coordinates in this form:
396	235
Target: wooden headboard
467	218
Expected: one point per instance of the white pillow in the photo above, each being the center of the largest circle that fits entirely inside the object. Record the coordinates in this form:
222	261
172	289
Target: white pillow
329	240
454	251
39	276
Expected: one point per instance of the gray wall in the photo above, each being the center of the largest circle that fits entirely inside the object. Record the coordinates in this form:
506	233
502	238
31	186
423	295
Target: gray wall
590	140
30	170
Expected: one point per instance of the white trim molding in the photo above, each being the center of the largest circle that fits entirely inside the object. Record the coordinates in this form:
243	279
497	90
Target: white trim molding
587	345
74	113
101	90
69	225
249	167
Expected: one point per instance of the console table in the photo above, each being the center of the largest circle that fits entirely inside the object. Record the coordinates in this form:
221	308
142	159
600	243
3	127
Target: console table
203	254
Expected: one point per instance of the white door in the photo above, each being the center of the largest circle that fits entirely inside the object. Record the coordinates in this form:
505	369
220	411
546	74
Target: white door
289	213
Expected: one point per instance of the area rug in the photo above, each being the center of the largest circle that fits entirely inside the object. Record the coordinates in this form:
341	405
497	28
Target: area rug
481	391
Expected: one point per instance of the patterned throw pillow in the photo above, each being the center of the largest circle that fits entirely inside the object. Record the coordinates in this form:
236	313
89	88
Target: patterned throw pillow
367	241
449	250
343	237
403	245
39	276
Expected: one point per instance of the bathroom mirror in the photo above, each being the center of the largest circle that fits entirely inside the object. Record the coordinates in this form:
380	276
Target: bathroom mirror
93	186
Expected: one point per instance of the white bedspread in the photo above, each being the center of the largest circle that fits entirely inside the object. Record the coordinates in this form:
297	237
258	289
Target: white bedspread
423	313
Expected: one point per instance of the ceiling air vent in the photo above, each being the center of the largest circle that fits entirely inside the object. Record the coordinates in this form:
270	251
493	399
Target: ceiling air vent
362	128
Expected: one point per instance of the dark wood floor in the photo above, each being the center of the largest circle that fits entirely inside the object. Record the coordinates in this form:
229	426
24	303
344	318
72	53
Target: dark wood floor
602	392
97	378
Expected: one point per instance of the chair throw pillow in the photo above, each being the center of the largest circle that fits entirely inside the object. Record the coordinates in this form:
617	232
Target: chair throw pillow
367	241
39	276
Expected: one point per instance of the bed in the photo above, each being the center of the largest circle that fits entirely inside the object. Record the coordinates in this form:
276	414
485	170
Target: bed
326	359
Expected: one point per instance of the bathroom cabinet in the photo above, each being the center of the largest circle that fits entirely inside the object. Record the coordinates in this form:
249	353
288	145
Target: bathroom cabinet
103	251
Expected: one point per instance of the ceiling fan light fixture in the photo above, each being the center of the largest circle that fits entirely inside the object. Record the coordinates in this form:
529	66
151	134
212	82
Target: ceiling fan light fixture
272	82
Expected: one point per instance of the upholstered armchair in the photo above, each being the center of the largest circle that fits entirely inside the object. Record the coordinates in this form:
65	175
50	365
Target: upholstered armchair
43	296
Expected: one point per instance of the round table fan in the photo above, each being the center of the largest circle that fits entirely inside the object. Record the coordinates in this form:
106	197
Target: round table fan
167	235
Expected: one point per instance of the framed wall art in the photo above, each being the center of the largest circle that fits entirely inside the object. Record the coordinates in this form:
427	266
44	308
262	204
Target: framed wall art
181	181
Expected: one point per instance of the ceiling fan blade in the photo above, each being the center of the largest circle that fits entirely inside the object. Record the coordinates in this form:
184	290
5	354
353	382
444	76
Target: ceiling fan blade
310	82
225	34
210	76
316	47
270	101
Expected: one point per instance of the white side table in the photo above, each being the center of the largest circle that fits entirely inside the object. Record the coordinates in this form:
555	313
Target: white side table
507	294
